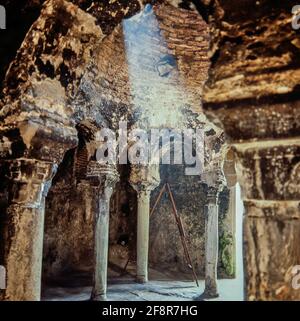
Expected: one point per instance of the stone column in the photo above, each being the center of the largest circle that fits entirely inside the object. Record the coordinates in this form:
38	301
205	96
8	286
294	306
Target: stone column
229	222
211	243
143	179
143	234
216	182
23	227
103	179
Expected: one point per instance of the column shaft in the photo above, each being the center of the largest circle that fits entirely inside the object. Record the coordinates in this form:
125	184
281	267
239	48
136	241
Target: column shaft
143	236
23	229
24	257
143	179
101	241
215	181
211	250
103	179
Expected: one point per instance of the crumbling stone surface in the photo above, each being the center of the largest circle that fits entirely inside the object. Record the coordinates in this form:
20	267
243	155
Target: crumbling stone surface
253	94
253	83
45	75
55	59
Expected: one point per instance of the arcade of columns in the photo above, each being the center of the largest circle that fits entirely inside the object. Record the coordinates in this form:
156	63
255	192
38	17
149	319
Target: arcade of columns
28	184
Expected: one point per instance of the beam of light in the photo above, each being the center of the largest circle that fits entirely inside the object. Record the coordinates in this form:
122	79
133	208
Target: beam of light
157	92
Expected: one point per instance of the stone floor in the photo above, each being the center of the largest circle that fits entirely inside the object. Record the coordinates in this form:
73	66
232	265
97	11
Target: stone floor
125	289
122	290
163	286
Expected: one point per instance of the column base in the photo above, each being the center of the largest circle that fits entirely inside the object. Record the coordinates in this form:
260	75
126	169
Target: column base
98	297
141	279
207	295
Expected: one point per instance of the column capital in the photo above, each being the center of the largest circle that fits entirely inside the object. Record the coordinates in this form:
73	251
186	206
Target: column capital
216	181
214	178
23	169
102	176
144	179
30	179
212	195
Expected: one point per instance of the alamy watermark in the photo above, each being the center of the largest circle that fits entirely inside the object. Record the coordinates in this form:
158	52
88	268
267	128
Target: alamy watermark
2	17
152	147
2	278
296	17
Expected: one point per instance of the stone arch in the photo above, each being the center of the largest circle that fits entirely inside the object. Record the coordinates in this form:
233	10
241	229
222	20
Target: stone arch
46	75
49	66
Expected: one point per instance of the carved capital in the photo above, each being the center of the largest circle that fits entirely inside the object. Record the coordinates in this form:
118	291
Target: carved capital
216	182
102	177
214	178
30	180
213	195
144	179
